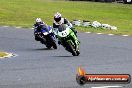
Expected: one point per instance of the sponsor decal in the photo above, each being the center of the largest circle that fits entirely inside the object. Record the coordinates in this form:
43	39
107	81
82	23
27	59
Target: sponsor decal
83	78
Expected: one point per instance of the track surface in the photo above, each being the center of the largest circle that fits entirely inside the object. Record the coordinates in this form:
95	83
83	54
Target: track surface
37	67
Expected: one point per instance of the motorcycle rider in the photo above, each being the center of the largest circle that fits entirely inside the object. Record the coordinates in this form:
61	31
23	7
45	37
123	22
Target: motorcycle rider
39	27
58	20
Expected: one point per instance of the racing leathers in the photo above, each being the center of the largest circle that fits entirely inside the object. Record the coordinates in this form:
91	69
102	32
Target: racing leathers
40	28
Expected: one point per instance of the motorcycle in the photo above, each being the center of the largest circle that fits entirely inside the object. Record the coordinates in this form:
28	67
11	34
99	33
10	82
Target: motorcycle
68	39
47	37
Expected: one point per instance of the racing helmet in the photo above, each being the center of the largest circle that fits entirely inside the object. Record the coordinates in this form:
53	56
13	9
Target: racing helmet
57	17
38	20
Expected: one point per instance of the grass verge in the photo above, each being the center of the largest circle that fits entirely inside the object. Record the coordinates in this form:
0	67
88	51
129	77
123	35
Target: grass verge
23	13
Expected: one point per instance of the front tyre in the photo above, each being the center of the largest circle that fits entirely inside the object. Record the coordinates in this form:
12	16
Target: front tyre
52	42
54	45
71	49
78	52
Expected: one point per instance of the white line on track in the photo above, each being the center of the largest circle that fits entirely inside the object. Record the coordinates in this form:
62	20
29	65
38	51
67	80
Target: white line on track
9	55
111	34
99	33
108	87
85	32
107	34
125	35
31	28
18	27
5	26
88	32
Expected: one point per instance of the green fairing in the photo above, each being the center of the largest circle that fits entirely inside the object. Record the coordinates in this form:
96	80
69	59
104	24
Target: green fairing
69	37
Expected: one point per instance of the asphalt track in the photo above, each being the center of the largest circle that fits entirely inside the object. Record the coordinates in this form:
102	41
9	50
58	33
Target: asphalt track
37	67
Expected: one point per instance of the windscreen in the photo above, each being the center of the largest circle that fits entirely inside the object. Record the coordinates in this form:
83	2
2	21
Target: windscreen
62	28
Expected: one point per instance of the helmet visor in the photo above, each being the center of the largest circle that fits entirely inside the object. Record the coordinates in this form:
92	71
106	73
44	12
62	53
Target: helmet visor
57	19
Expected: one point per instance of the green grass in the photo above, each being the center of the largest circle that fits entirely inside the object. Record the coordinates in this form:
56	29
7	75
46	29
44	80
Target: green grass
24	12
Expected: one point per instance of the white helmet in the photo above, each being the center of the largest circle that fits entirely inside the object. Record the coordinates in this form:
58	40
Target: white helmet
57	17
38	20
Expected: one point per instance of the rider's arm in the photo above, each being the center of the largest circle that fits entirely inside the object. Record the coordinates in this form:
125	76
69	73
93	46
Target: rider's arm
35	28
55	28
68	23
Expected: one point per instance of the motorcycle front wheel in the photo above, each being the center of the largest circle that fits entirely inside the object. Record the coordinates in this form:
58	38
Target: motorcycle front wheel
71	49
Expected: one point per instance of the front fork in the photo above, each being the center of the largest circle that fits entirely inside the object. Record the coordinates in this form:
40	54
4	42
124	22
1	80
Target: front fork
75	41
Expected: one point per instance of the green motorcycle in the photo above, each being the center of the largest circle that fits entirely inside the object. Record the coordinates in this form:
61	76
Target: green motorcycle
68	39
